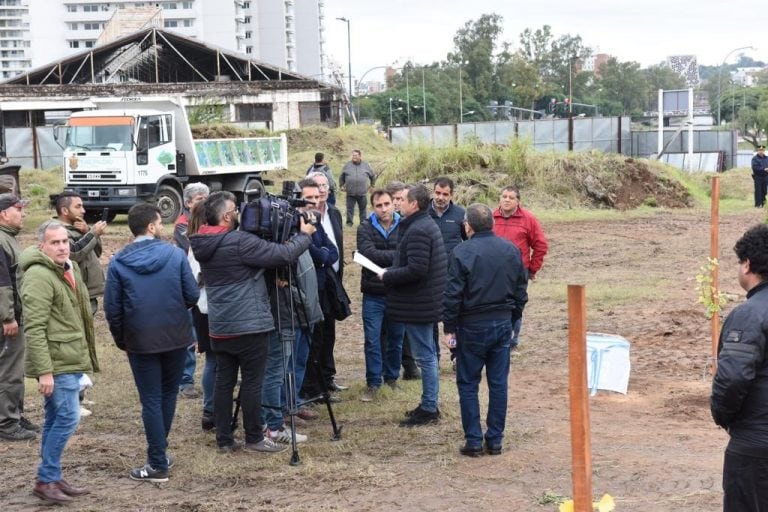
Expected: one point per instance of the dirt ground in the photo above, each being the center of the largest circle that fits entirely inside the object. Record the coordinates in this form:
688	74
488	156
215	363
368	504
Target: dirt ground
655	449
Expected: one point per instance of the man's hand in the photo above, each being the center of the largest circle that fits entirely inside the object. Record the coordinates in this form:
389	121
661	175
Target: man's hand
80	225
306	228
99	228
10	329
45	384
450	340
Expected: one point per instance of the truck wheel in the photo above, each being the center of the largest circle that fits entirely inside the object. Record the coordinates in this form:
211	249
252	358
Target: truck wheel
169	202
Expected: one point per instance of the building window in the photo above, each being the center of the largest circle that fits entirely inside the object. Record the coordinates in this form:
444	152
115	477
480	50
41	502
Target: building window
186	5
71	8
171	23
90	8
246	5
249	49
253	112
72	26
169	5
188	23
90	44
105	7
74	44
91	26
248	34
247	19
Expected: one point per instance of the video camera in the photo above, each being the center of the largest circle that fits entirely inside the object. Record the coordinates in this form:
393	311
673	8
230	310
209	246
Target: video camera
274	217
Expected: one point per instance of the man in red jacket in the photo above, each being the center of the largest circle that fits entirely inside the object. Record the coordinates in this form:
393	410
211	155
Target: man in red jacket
519	226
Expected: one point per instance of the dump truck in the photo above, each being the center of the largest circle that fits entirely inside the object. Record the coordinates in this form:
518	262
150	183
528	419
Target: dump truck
133	149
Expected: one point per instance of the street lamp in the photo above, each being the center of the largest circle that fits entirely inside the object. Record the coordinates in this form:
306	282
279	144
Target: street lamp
390	111
461	96
720	77
349	58
467	113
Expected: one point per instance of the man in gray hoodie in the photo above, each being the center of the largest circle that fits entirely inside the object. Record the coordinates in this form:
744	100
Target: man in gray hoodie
356	180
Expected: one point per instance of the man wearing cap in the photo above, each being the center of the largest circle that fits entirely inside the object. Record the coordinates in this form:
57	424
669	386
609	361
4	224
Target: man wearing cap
13	426
760	176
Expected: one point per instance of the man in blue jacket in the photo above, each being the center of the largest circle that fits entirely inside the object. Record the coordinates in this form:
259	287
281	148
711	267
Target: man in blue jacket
486	288
760	176
149	289
739	399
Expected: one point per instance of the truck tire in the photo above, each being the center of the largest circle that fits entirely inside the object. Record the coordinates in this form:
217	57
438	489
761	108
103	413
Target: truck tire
169	202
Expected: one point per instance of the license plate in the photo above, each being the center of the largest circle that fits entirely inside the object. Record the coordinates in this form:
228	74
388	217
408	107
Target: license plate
93	176
93	193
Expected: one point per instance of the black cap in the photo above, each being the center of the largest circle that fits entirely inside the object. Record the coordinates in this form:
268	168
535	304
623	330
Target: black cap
8	200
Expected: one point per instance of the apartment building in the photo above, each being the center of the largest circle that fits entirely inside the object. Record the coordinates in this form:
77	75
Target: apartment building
15	54
283	33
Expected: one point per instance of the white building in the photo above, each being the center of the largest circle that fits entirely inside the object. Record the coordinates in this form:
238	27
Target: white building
284	33
15	54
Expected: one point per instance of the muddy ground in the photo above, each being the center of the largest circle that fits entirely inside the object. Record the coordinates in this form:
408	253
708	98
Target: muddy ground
655	449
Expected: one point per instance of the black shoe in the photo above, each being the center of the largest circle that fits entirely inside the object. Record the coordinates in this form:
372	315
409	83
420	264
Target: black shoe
420	417
408	414
335	386
207	422
411	372
18	434
493	449
148	474
28	425
471	451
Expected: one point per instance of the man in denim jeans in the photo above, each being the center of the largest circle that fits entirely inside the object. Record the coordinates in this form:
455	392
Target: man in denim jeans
485	292
415	283
60	348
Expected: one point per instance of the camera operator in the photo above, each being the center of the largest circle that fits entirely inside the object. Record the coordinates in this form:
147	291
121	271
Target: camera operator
239	314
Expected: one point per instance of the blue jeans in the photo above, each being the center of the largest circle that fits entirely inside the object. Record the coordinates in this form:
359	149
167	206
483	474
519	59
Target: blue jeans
188	379
378	368
280	347
157	378
62	415
423	350
209	380
515	338
298	362
479	344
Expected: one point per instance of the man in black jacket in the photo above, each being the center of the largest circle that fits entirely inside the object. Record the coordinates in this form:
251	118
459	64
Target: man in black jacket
739	399
760	176
415	284
486	287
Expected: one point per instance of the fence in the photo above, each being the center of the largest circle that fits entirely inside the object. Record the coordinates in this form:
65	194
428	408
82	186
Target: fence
607	134
32	150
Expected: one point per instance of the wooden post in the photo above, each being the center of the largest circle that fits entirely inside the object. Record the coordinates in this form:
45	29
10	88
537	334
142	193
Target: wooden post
714	242
581	448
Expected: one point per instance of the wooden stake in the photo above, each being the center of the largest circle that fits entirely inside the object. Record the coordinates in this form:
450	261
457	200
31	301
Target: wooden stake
714	251
581	448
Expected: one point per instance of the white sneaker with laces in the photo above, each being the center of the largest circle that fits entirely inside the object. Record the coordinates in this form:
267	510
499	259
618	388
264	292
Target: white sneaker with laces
84	413
283	435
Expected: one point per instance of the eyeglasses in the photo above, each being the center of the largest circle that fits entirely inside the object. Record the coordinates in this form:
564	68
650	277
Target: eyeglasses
235	211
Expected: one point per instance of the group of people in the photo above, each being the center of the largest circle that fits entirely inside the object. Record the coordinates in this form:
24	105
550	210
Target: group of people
257	307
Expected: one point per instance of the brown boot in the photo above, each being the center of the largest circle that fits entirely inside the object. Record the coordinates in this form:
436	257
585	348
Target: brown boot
70	490
50	492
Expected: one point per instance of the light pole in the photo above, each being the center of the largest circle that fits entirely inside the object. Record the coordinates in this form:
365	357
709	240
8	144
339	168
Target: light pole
461	96
390	111
720	78
407	96
423	95
349	58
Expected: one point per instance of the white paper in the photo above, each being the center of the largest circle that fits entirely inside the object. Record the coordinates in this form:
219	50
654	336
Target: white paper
366	263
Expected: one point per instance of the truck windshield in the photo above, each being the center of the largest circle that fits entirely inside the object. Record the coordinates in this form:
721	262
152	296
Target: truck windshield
100	133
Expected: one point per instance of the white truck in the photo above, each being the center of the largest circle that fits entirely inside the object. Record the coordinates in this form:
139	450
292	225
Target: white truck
134	149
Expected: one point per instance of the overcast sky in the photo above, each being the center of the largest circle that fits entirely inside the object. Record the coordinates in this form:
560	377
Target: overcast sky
394	31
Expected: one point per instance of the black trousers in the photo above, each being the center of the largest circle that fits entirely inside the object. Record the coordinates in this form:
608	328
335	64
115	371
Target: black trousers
318	378
761	187
248	354
362	207
744	483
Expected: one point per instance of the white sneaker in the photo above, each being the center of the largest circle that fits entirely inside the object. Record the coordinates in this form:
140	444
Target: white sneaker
84	413
283	435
